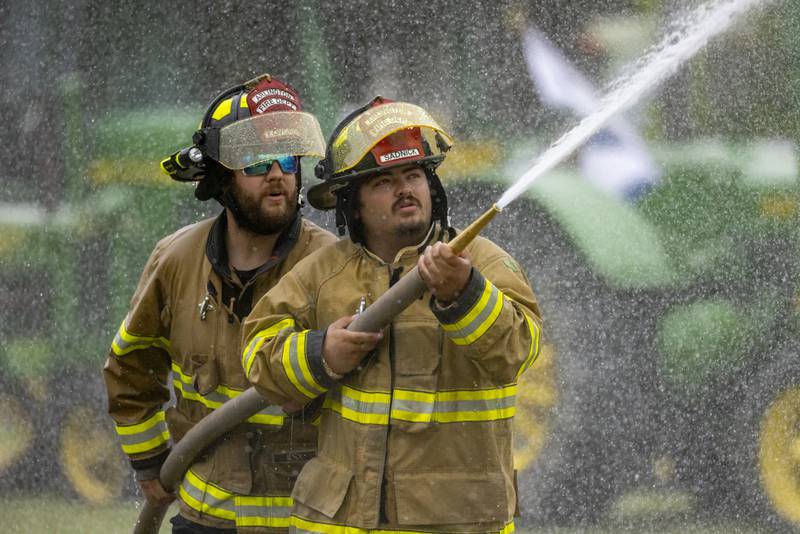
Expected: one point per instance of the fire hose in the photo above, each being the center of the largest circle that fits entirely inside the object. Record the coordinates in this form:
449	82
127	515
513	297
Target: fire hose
225	418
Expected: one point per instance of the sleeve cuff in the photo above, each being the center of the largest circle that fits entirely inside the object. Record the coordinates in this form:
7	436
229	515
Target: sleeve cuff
314	343
149	468
465	301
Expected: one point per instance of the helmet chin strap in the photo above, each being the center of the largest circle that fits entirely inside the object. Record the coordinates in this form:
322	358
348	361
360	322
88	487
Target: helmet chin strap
227	199
439	209
345	213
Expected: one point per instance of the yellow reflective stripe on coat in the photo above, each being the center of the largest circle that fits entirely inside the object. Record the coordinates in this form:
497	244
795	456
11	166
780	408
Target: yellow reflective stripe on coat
479	318
304	526
376	408
207	498
365	407
295	365
454	406
184	383
249	353
144	436
125	342
245	510
262	511
533	353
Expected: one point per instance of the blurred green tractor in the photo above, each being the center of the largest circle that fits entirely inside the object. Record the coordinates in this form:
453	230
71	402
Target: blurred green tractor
66	275
674	321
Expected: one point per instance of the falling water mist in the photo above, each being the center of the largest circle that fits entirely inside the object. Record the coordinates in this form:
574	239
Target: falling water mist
690	34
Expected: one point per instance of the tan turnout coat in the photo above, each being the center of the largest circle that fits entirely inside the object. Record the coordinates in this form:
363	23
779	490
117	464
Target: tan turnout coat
419	436
185	318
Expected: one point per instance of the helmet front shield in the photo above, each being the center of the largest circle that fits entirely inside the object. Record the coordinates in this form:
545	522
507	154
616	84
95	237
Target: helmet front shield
260	138
362	135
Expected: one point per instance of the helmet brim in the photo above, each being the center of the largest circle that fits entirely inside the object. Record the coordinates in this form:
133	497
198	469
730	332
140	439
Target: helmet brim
263	137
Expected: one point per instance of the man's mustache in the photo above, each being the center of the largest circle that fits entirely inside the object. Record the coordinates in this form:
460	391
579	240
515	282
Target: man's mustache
406	199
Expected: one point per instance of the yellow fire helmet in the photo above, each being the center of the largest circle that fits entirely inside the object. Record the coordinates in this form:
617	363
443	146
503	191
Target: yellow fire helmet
376	137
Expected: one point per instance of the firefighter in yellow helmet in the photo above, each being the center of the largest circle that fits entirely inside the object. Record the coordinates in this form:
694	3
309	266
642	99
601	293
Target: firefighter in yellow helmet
185	318
415	431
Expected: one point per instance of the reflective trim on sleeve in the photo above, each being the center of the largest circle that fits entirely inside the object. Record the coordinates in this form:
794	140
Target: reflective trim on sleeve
207	498
144	436
533	352
304	526
295	365
478	319
248	355
270	512
367	408
454	406
125	342
184	383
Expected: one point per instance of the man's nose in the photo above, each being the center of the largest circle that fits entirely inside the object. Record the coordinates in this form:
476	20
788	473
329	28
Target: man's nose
275	172
402	187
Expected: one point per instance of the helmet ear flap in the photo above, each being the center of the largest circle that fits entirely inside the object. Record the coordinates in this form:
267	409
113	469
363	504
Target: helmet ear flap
211	185
206	188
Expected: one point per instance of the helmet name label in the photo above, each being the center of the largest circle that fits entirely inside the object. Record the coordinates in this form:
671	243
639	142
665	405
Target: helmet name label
399	154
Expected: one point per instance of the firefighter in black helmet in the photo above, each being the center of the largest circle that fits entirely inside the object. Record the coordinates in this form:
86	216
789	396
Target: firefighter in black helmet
186	315
232	137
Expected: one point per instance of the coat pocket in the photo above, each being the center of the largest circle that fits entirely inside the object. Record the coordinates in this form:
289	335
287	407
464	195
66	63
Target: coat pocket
417	346
450	498
322	485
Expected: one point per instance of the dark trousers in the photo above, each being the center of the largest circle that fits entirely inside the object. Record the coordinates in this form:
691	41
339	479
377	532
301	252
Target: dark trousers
181	525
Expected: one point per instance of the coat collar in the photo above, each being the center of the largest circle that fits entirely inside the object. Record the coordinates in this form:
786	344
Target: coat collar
217	252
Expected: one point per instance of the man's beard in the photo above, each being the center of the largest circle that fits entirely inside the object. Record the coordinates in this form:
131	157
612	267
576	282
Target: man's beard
412	229
417	229
249	215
